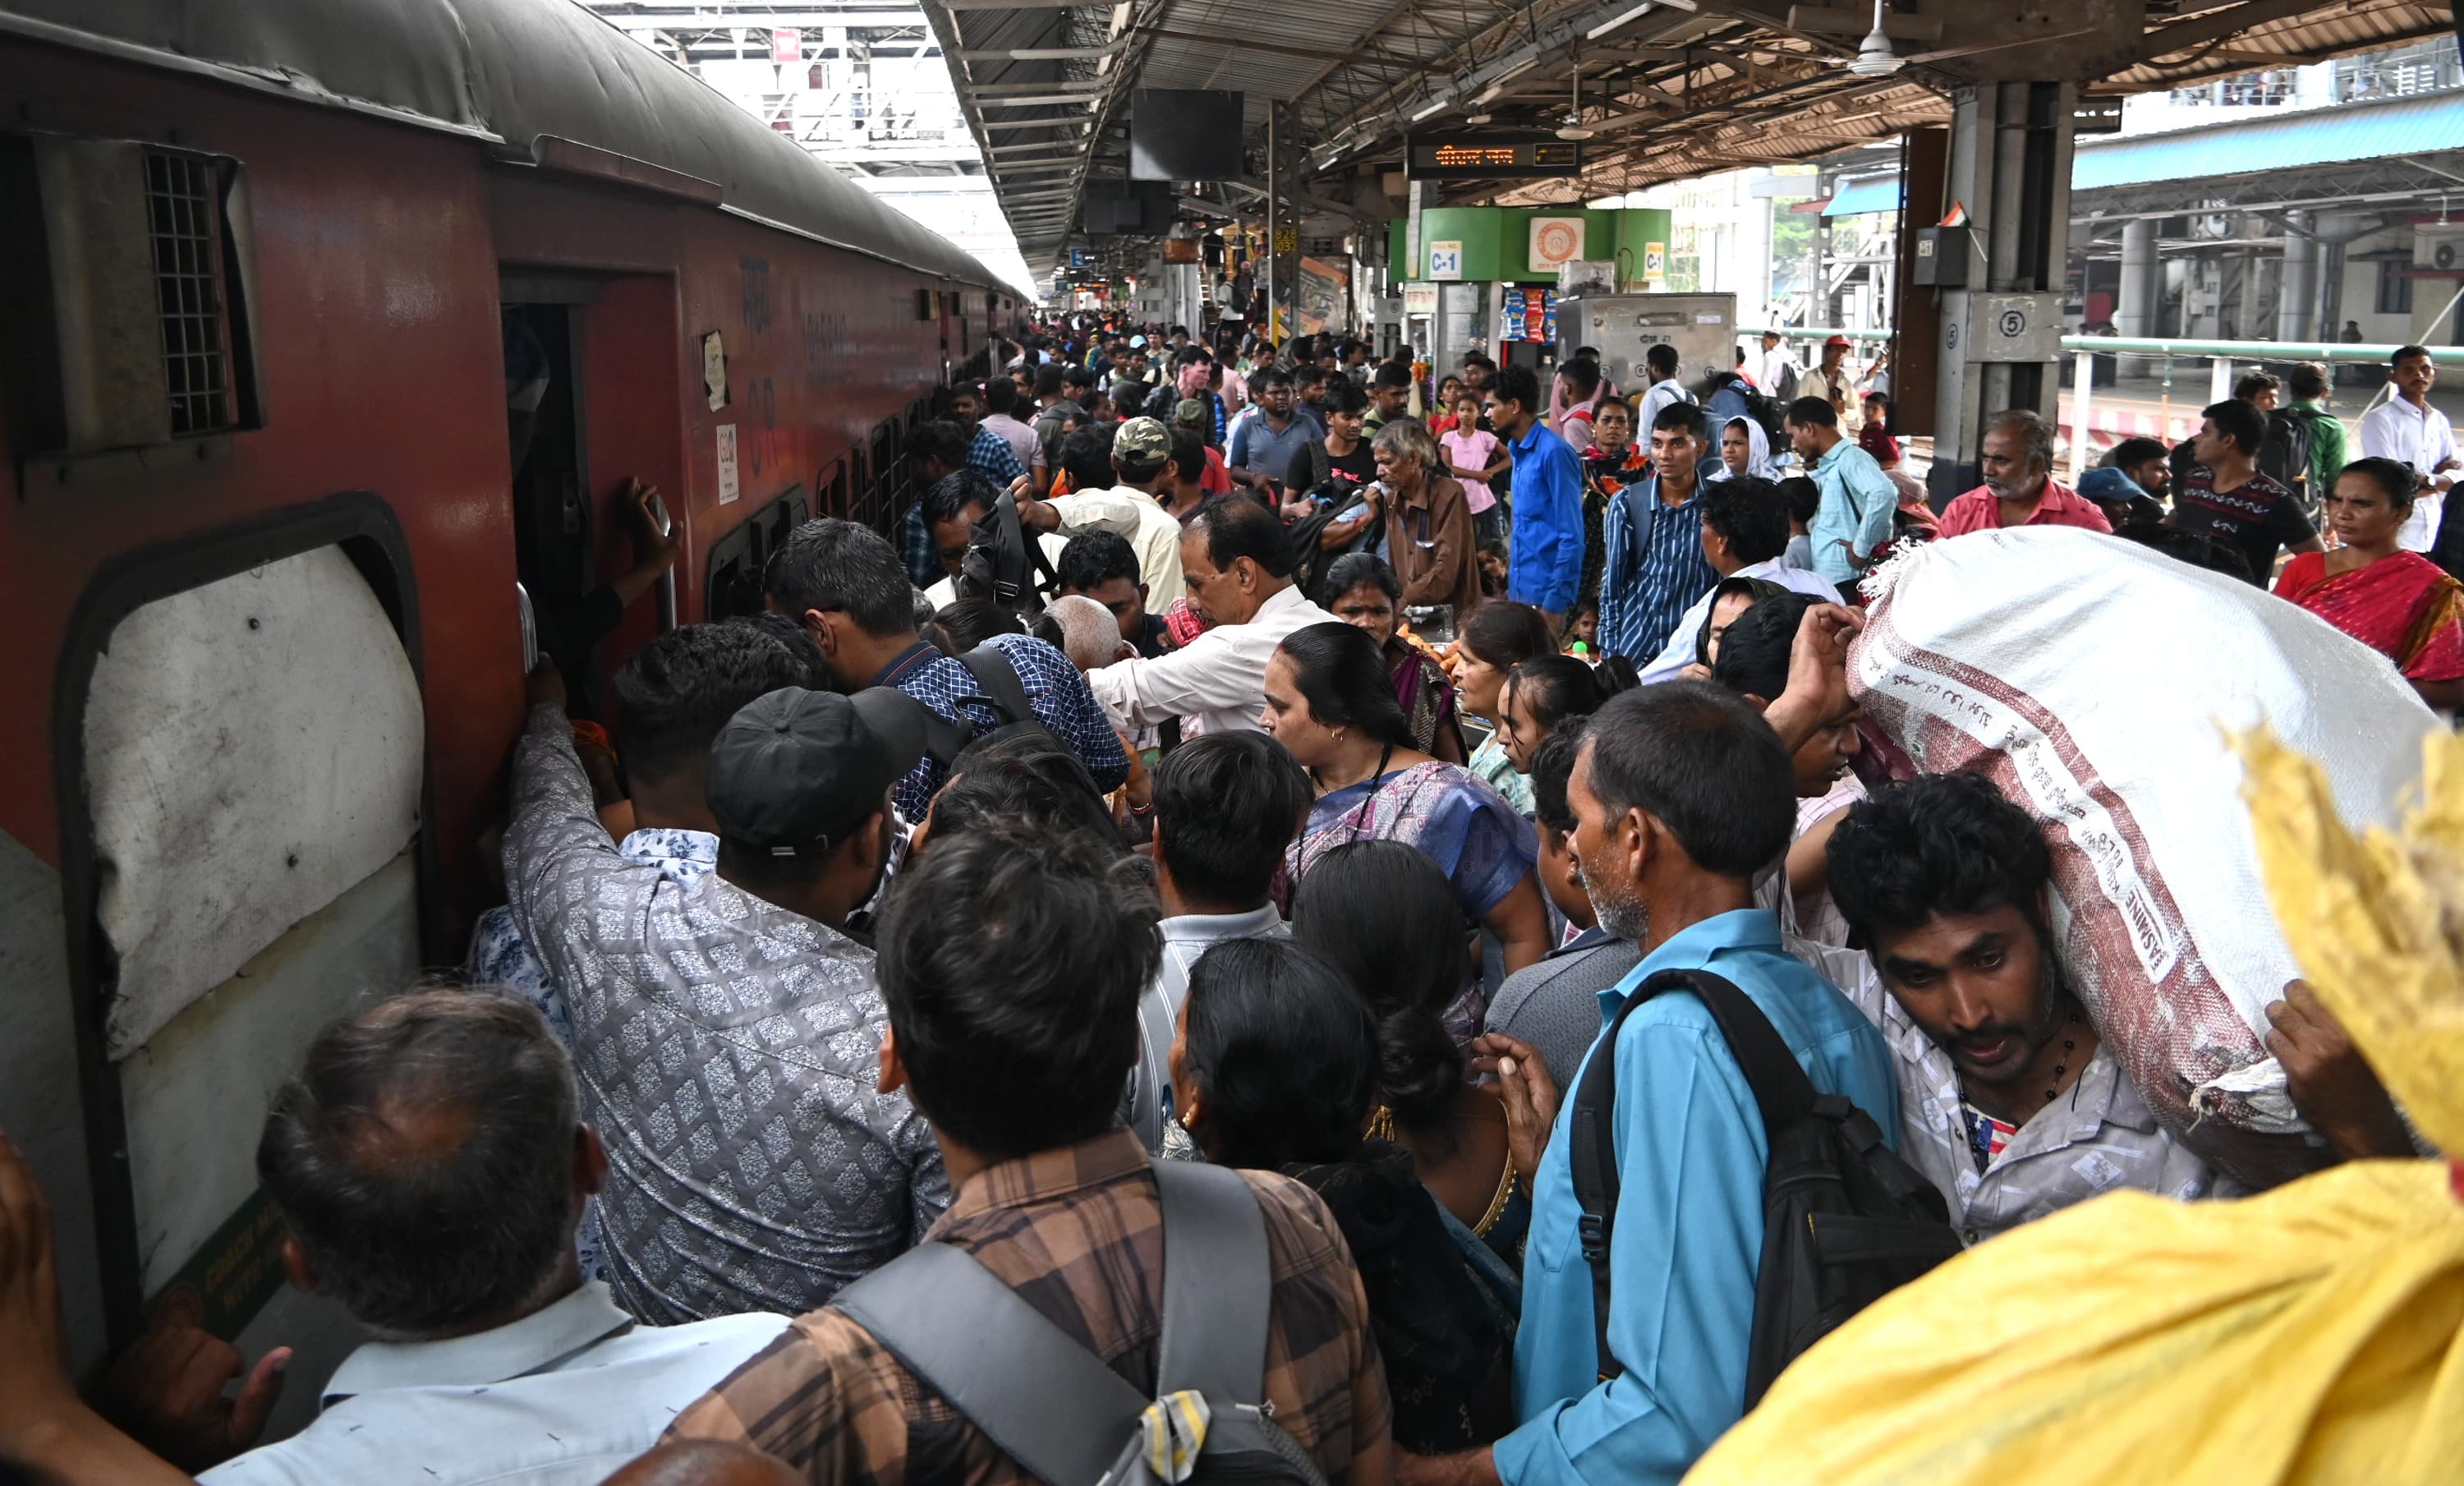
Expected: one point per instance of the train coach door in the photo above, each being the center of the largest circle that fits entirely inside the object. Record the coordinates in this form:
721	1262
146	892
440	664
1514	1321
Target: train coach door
553	542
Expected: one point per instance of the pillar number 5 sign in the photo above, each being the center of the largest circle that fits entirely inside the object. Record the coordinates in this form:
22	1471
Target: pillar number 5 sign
1555	240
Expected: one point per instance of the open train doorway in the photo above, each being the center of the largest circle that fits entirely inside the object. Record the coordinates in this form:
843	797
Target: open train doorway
555	552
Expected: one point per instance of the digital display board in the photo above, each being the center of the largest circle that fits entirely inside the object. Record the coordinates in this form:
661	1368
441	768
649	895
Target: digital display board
1488	156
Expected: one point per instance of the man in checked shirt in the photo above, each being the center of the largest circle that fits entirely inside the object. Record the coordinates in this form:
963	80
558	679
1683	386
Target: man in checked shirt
1013	1038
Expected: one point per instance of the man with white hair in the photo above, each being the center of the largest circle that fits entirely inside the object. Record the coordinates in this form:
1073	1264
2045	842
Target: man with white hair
1090	636
2019	489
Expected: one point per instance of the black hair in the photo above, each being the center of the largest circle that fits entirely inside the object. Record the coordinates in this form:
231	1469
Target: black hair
1662	358
972	621
1519	385
1393	374
1341	396
2133	451
1553	764
1751	513
677	692
1226	805
1351	571
1012	968
1285	1051
1047	380
1686	415
1093	558
1076	376
1309	374
1342	673
1086	456
1581	376
1270	376
939	439
1505	635
831	564
1235	528
1803	496
948	497
2239	421
1000	395
2396	477
1590	353
2308	380
2188	547
1554	688
1023	782
1753	655
1705	764
1935	844
1386	917
799	640
2406	354
2249	385
1188	454
1813	413
419	1237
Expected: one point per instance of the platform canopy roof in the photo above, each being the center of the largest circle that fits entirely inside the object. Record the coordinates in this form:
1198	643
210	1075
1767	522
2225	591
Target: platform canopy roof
1669	89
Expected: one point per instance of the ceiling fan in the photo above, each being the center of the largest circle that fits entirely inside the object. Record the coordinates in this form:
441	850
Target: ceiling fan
1874	57
1573	129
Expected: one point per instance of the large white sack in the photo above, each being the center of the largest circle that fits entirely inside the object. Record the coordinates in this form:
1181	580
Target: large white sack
2094	680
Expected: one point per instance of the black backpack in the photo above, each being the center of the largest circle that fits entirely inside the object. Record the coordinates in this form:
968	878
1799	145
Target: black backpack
1771	414
1006	563
2284	455
1052	1405
1845	1221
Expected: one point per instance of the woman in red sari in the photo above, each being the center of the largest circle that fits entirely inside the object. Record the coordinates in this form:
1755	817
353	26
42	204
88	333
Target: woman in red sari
2397	602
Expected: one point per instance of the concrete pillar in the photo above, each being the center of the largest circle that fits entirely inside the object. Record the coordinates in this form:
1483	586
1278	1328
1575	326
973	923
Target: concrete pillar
2296	288
2142	291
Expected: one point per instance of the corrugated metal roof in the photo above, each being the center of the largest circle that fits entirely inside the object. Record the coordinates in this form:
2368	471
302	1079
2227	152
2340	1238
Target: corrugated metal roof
1871	193
2249	146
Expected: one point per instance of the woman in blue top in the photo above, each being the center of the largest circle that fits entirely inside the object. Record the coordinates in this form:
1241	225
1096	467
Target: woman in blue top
1329	703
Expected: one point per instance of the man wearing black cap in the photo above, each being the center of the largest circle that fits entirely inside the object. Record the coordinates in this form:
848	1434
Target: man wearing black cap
729	1028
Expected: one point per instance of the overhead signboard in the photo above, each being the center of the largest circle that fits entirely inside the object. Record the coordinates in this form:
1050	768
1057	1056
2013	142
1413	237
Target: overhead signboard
1445	260
1485	156
2097	116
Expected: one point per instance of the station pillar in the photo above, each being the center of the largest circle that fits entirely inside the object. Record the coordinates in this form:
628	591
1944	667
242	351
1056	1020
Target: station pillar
2296	288
2000	336
2142	288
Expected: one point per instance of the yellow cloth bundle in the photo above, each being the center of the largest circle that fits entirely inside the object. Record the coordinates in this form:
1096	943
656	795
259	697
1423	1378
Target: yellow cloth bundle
2311	1335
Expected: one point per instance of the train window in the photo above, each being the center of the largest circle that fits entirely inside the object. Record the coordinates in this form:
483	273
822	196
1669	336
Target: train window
132	265
924	305
253	753
830	485
739	562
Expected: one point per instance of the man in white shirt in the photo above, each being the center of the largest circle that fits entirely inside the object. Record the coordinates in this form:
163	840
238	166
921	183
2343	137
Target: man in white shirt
1239	568
1664	386
1133	510
1832	380
1745	532
1225	808
429	1165
1775	375
2407	428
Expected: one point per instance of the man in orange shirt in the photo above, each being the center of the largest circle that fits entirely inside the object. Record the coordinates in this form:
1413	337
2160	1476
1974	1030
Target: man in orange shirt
2019	489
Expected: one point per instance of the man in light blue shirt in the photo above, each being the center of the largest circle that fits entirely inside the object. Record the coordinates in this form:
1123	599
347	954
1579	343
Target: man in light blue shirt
1545	560
1682	794
1857	499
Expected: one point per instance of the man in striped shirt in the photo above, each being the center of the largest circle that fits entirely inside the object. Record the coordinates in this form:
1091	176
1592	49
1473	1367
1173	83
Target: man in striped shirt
1654	535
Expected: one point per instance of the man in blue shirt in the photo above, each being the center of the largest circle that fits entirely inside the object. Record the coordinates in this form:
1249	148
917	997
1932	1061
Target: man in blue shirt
1857	499
1545	561
1655	569
1682	794
842	584
1262	444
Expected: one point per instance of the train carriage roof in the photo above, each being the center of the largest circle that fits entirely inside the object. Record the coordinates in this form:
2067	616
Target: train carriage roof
511	73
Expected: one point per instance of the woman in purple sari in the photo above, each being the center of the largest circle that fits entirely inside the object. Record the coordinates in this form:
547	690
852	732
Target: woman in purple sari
1331	704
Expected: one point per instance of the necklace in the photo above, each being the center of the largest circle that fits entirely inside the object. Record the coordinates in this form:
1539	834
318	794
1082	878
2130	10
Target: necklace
2070	1046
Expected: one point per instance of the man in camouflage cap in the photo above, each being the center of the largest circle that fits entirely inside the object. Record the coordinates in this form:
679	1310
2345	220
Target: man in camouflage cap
1132	509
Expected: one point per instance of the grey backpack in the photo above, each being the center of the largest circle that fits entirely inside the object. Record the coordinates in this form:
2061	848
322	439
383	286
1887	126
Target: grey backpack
1054	1406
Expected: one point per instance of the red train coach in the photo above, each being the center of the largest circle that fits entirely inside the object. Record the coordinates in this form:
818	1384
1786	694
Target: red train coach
284	286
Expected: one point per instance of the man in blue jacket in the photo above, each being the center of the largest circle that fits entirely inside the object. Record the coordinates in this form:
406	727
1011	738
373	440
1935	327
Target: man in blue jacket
1544	562
1682	794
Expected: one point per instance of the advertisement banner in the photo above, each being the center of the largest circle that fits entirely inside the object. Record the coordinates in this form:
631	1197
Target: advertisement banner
1319	295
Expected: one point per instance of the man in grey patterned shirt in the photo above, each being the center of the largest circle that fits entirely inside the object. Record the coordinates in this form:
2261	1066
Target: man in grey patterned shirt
727	1033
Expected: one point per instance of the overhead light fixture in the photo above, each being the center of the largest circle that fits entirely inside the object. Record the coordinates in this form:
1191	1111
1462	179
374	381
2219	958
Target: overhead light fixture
1605	27
1874	57
1477	118
1572	130
1439	106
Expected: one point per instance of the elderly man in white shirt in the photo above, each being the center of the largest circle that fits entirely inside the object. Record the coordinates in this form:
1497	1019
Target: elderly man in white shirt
2407	428
1239	568
429	1165
1745	535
